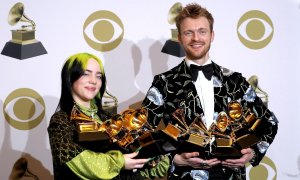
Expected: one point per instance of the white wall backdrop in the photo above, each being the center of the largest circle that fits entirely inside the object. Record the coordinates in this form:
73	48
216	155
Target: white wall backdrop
131	66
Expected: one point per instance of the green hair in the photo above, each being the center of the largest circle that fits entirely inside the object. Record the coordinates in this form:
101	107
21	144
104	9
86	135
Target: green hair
73	69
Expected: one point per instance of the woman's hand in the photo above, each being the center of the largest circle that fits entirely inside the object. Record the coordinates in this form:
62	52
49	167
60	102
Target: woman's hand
192	159
131	163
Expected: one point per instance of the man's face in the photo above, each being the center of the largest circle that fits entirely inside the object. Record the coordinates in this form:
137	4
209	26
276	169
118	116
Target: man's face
196	37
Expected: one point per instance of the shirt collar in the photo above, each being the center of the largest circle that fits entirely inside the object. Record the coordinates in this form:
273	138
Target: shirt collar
189	62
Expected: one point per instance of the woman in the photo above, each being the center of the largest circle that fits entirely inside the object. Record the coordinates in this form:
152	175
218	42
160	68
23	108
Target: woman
83	83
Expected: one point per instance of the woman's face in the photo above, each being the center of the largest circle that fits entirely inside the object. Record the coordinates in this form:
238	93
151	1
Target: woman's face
88	85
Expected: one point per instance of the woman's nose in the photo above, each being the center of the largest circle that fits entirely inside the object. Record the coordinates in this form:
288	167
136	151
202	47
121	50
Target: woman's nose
92	80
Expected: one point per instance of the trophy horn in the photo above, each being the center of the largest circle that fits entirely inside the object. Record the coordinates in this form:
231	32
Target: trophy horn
16	14
20	170
173	12
253	81
107	103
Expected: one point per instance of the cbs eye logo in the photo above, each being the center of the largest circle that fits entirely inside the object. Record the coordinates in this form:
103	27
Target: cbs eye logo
265	170
103	30
255	29
24	109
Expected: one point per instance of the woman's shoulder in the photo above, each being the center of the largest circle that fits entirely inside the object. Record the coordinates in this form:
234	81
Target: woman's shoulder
59	117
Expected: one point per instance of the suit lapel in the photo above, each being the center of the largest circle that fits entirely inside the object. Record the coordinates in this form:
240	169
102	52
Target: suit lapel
220	89
191	98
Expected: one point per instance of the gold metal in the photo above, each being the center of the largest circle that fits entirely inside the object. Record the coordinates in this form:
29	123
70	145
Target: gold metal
88	127
253	81
172	131
76	114
23	44
222	121
128	126
146	139
178	115
235	110
16	14
255	125
249	117
115	125
197	139
85	123
23	37
173	12
221	142
110	102
134	119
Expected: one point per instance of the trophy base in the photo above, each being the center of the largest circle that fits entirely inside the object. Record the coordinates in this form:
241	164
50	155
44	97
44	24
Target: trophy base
173	48
93	136
23	51
220	152
246	141
149	150
150	144
227	152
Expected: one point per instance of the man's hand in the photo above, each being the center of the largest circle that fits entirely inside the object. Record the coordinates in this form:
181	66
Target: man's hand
192	159
238	163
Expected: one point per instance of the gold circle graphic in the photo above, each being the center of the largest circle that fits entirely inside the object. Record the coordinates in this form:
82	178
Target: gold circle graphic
261	171
255	29
103	30
23	109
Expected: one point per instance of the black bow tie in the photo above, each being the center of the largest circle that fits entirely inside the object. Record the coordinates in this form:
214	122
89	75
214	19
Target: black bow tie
207	71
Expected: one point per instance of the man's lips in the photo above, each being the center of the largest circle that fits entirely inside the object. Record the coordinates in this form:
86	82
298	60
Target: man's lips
196	45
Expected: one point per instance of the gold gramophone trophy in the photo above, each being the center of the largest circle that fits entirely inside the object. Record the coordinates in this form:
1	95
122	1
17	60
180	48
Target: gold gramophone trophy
131	131
233	130
88	128
110	102
20	170
253	81
172	46
192	137
23	44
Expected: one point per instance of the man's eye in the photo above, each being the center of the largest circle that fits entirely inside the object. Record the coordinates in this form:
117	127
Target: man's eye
187	33
203	32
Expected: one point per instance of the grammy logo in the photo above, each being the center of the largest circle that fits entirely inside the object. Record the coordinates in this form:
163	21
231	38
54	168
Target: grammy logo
172	45
20	170
23	44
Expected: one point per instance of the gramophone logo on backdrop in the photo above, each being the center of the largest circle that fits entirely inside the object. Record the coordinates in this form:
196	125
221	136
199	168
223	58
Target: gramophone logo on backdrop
255	29
24	109
172	46
23	44
103	30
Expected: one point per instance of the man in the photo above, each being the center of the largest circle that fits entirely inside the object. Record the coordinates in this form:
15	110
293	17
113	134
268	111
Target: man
206	95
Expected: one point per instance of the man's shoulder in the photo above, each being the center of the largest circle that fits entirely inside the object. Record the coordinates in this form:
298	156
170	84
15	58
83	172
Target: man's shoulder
226	72
174	71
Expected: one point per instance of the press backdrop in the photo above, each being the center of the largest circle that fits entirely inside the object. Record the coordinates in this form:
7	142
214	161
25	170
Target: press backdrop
254	37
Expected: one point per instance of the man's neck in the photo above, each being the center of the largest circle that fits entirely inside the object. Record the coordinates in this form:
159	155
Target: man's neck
200	62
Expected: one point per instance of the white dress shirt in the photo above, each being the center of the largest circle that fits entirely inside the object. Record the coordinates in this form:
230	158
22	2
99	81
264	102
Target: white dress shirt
205	91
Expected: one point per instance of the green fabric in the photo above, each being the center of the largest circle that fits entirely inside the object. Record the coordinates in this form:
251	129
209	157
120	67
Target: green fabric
92	165
160	170
91	112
